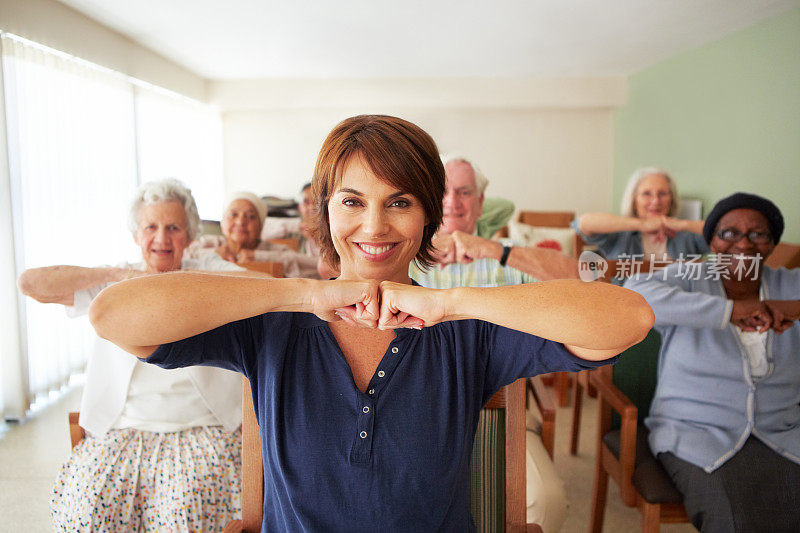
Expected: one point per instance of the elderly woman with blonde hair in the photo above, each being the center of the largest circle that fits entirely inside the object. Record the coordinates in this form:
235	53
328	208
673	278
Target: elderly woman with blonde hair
648	225
240	242
162	448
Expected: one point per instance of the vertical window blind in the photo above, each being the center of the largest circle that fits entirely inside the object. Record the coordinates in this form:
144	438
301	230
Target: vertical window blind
80	139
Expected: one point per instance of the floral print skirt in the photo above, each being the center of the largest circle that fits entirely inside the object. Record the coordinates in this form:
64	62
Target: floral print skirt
131	480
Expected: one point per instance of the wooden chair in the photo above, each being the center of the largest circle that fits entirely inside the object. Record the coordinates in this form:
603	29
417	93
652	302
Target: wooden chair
555	219
581	380
294	244
76	432
252	469
547	407
511	399
623	452
784	255
273	268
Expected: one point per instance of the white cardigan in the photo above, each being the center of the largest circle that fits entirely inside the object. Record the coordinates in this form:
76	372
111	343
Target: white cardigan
109	370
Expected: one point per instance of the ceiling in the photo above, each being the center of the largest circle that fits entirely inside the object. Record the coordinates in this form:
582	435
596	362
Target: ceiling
243	39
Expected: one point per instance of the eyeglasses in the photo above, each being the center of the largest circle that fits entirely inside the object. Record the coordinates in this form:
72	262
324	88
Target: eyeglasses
660	194
756	237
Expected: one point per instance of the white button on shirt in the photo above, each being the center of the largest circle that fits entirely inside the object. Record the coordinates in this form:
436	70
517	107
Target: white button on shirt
381	373
363	434
395	349
366	409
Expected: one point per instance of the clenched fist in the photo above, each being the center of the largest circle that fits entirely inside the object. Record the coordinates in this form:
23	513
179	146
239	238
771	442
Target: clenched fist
384	305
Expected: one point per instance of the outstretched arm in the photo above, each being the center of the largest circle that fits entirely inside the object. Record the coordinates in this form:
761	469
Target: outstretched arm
140	314
594	320
58	284
540	263
592	223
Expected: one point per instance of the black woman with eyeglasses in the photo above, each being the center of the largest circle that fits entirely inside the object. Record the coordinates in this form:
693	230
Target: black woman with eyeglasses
725	420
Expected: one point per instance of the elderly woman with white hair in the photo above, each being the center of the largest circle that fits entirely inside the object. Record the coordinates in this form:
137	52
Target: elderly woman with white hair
648	225
241	242
162	447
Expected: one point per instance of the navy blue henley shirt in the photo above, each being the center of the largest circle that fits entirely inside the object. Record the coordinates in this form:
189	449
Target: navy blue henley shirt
393	458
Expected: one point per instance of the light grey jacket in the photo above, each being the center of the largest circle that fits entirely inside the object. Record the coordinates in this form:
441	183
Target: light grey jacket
706	402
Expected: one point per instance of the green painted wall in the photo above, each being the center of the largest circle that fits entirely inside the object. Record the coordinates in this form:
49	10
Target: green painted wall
722	118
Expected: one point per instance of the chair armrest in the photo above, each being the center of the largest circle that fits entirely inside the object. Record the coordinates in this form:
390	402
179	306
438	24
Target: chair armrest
611	394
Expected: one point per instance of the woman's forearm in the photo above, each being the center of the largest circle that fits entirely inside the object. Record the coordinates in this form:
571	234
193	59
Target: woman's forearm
147	312
58	284
543	264
694	226
592	223
595	316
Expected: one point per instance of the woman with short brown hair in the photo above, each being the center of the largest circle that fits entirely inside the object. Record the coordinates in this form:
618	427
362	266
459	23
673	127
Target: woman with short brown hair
367	387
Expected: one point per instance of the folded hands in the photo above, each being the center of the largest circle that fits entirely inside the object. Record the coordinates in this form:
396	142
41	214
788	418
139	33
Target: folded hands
755	315
382	305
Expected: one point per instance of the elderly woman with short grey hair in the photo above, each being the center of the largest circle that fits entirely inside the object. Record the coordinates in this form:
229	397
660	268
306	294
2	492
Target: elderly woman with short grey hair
241	241
648	226
161	450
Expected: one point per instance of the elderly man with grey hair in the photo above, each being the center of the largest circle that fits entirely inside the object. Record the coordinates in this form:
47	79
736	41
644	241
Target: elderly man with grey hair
469	260
459	244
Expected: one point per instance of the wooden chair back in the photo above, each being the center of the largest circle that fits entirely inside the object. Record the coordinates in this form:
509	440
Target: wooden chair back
511	399
548	219
553	219
273	268
294	244
252	465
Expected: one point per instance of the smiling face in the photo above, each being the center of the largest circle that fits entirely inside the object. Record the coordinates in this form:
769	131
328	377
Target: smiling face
162	235
462	202
653	196
376	228
241	224
743	222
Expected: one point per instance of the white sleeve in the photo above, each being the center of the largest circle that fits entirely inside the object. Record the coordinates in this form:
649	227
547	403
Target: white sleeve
82	298
673	305
212	262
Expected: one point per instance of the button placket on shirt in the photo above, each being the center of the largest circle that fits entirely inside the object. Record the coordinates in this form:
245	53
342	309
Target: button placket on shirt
363	445
362	448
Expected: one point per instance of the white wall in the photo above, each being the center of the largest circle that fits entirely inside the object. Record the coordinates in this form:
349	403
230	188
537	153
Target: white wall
545	144
53	24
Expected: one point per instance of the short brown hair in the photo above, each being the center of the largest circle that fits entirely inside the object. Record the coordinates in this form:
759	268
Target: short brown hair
399	152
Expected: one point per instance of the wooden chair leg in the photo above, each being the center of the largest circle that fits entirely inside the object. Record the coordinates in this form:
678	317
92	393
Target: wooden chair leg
562	380
577	404
598	496
651	517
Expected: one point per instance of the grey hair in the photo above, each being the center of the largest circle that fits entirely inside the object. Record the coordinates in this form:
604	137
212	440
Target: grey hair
166	190
481	182
628	203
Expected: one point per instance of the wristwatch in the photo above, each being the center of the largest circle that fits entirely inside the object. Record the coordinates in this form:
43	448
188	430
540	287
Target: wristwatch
504	257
